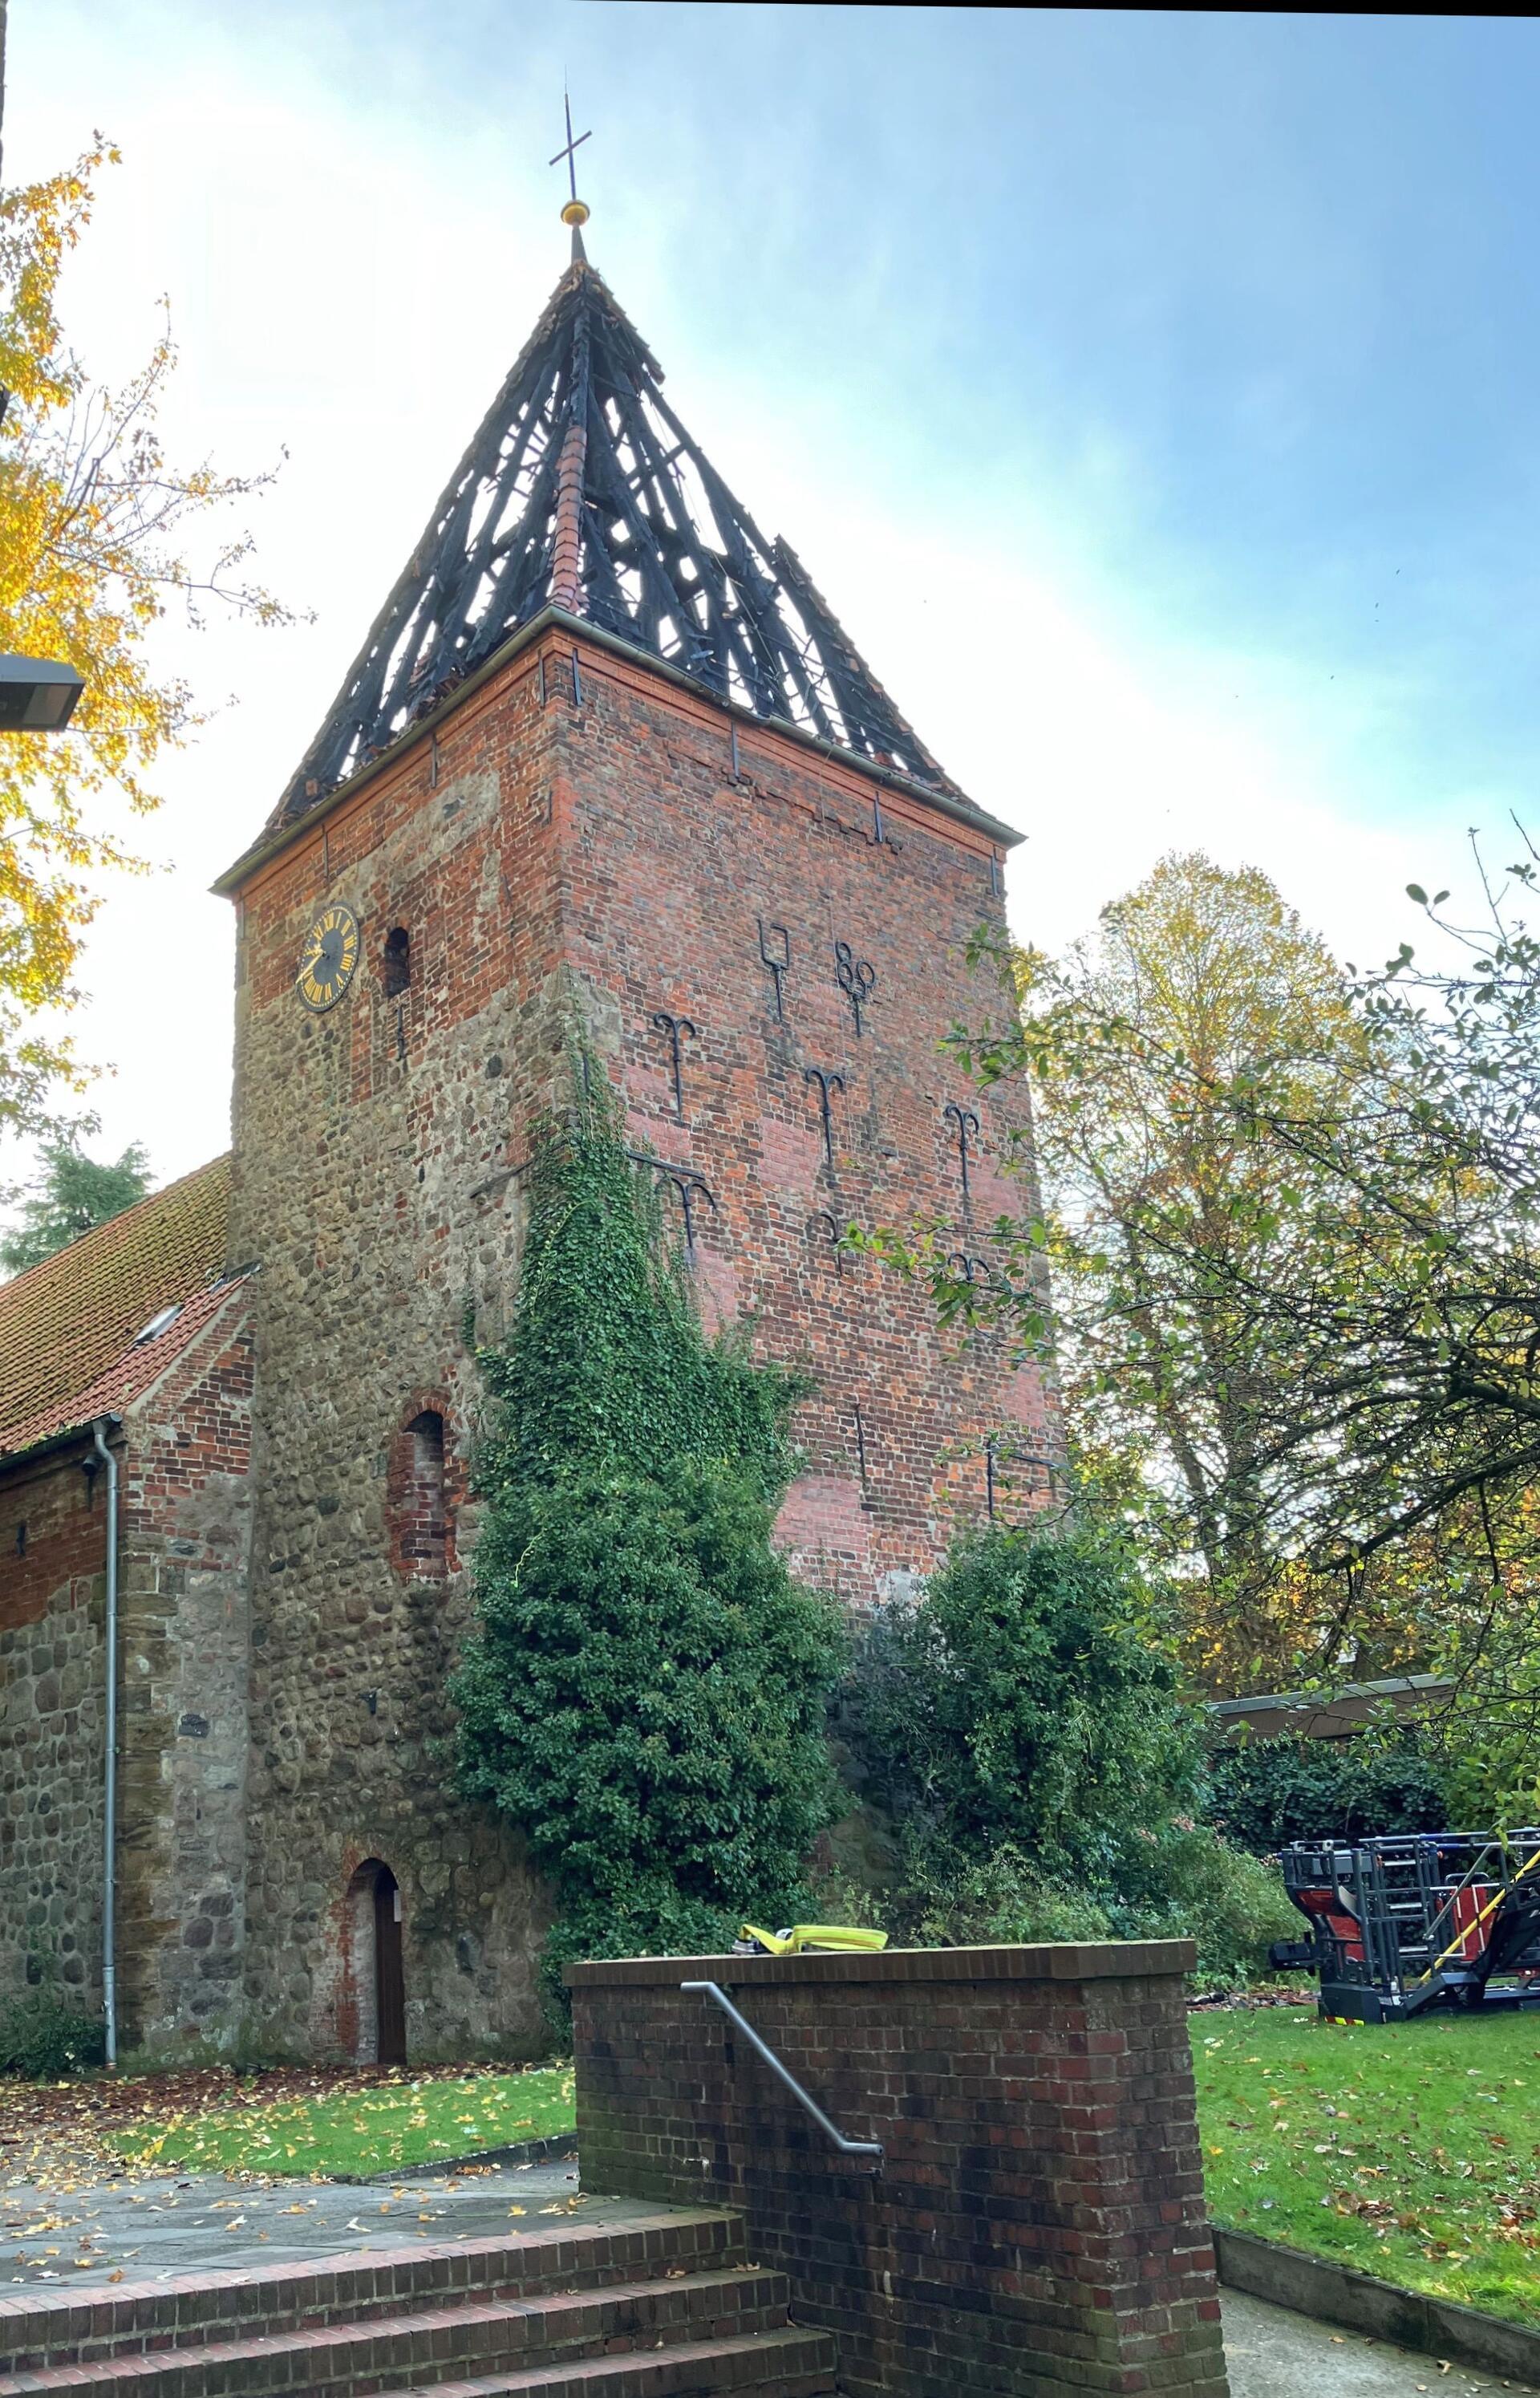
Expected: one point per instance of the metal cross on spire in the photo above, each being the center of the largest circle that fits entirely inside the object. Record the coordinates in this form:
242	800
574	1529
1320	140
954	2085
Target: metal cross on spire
574	211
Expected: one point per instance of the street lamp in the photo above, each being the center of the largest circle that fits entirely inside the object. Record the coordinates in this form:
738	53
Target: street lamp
36	694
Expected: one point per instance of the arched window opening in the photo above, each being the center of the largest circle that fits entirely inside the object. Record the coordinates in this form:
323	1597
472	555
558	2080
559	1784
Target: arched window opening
396	963
424	1516
374	1983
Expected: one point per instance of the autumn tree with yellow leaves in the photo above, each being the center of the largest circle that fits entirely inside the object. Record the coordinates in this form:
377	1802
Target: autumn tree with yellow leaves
1144	1201
95	522
1161	1215
1286	1267
1162	1208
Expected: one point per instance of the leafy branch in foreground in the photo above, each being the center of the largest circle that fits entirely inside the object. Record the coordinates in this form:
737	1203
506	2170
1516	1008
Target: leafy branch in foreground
93	525
1417	1326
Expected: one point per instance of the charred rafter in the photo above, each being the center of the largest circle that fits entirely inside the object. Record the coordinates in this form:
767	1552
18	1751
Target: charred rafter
669	559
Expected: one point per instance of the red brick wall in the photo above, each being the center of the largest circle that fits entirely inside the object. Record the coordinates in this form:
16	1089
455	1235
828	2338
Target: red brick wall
671	862
1036	2227
194	1432
50	1535
656	865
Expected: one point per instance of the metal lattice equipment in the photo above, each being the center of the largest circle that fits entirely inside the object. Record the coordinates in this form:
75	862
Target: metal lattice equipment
581	491
1408	1920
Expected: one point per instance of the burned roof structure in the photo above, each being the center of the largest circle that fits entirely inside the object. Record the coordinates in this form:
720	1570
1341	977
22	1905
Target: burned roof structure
582	492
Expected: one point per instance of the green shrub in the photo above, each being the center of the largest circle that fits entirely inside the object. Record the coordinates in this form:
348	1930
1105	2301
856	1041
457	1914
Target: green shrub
646	1687
1189	1884
44	2037
1186	1882
1266	1792
644	1696
983	1900
1030	1702
1025	1728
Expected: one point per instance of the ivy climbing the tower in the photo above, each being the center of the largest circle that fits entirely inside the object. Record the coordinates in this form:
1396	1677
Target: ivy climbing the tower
645	1689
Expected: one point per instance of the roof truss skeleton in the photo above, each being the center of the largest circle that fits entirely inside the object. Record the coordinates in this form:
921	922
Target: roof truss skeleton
669	560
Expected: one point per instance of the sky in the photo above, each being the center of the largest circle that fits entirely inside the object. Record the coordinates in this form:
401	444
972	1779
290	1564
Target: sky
1152	396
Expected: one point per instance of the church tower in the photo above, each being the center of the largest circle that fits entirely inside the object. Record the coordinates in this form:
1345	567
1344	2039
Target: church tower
605	766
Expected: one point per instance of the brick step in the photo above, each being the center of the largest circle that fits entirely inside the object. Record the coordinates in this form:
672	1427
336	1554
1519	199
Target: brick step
519	2337
72	2326
790	2363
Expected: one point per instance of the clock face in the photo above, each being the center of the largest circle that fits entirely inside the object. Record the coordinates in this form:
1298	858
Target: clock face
330	955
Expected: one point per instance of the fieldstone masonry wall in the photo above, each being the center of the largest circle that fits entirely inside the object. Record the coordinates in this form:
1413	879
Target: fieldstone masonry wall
374	1155
183	1727
182	1453
52	1604
1036	2227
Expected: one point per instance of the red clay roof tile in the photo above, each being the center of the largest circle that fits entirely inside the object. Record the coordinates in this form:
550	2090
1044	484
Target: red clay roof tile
69	1327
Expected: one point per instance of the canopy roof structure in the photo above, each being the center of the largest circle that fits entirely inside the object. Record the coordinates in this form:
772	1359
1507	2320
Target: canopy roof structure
583	491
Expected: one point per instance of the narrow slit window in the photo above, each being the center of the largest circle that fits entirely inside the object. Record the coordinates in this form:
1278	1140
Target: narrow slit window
425	1518
396	963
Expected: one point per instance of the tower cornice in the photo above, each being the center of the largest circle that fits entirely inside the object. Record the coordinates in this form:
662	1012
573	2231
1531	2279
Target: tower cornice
952	806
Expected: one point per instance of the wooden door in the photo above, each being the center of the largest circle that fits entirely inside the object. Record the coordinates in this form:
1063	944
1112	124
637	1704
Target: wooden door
390	1988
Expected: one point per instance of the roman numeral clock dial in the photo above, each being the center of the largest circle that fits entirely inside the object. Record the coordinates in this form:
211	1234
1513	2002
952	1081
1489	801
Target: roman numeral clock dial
330	954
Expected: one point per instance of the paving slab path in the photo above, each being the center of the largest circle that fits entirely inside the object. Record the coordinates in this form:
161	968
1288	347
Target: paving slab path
1275	2353
192	2223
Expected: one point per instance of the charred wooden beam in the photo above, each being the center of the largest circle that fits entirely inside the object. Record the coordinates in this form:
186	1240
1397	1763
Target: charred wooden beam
737	612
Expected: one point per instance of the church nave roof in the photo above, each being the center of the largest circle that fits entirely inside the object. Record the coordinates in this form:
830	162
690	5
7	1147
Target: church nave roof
73	1329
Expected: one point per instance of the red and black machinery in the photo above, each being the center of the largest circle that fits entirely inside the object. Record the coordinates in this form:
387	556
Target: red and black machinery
1415	1919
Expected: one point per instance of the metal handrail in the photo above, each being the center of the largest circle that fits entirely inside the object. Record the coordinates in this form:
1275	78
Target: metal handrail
847	2148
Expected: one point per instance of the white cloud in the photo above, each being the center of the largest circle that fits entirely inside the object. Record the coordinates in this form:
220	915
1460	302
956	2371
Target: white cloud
352	274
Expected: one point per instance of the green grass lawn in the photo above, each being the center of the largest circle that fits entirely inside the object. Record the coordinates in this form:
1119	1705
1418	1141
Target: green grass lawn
1410	2151
364	2131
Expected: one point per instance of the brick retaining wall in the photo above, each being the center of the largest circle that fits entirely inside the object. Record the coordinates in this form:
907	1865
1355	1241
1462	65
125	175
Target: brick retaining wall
1036	2227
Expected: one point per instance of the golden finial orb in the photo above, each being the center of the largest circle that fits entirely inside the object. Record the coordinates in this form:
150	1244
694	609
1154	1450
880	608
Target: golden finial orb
575	213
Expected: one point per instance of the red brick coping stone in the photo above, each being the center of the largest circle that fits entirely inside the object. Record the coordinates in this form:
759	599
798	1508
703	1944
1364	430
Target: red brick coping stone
1036	2228
1053	1960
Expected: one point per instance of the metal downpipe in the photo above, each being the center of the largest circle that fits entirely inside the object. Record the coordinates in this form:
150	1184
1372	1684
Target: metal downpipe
109	1877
